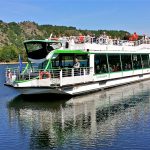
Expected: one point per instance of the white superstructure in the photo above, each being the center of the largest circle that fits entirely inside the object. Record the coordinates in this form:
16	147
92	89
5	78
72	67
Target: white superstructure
102	65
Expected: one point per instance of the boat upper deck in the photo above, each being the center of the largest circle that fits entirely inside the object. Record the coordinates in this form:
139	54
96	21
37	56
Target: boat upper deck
105	44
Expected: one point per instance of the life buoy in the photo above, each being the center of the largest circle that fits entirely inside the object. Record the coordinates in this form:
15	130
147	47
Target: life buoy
44	74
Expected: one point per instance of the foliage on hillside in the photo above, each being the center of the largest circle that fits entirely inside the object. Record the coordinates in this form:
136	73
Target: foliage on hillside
13	34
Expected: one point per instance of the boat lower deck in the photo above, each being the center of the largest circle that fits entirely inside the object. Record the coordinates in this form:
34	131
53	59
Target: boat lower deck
77	89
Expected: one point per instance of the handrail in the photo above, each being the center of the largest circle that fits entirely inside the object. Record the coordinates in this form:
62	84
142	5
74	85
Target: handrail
103	41
53	73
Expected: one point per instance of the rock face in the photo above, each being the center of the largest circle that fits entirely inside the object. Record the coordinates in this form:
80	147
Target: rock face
30	29
11	33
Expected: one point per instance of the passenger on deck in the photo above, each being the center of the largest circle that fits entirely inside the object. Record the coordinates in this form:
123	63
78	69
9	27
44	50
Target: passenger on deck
134	37
98	70
81	38
71	43
76	64
88	39
104	69
104	35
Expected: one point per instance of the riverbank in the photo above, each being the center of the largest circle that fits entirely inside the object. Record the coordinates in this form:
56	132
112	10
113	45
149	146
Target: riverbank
3	63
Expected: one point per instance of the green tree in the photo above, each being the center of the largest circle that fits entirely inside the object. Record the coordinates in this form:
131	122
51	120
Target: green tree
8	53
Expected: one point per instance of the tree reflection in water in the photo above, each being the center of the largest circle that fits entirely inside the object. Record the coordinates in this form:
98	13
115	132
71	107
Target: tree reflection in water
81	122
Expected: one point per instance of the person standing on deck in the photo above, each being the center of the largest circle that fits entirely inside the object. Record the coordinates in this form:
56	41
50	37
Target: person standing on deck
134	37
76	64
81	38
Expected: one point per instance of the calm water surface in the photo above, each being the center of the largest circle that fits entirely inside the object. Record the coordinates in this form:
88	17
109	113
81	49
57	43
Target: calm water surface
114	119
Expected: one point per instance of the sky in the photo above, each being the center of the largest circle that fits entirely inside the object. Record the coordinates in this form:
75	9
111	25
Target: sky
127	15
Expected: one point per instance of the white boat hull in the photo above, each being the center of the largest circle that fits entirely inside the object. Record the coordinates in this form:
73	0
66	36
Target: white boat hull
100	85
82	88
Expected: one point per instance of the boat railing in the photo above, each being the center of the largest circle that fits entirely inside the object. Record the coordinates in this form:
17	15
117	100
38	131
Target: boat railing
54	77
103	41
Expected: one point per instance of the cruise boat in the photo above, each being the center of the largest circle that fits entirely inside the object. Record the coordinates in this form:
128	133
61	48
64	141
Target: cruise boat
102	63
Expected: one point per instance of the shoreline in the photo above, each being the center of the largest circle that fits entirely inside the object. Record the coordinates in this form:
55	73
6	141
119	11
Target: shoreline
3	63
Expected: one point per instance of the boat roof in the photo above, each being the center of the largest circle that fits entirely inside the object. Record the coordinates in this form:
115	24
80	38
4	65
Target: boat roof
68	51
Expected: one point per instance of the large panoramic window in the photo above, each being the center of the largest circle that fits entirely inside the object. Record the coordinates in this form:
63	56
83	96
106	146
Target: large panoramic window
145	60
34	46
83	59
126	62
114	62
101	63
67	60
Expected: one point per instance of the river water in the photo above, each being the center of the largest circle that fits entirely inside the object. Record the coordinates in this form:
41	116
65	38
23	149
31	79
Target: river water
114	119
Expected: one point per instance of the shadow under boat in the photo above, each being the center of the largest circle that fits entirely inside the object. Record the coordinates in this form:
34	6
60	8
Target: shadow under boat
44	101
35	93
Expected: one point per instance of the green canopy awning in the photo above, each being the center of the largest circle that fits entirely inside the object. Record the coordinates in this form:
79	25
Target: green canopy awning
67	51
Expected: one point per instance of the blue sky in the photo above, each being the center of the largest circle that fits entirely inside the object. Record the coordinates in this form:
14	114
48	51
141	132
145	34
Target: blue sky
128	15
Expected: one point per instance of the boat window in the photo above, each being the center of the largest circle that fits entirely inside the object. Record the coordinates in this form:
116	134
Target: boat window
83	59
100	61
145	60
38	66
114	62
67	60
42	65
126	62
36	50
55	62
34	46
53	45
136	58
63	61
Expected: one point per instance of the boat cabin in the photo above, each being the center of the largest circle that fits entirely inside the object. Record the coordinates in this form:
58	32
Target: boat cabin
47	54
38	49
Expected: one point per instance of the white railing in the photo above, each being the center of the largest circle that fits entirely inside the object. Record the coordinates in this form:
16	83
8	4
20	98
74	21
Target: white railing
55	77
76	40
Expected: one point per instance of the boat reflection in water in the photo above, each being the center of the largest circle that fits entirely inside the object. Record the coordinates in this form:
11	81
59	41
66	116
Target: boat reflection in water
88	121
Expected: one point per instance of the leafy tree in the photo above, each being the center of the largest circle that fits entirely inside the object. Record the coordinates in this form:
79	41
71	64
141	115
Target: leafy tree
8	53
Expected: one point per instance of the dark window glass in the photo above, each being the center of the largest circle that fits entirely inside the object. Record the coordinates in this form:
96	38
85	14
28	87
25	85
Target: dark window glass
114	62
126	62
43	65
100	63
83	59
56	62
63	61
67	60
36	50
136	58
145	60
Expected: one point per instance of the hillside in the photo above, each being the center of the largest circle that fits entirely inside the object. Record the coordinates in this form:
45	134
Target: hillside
13	34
